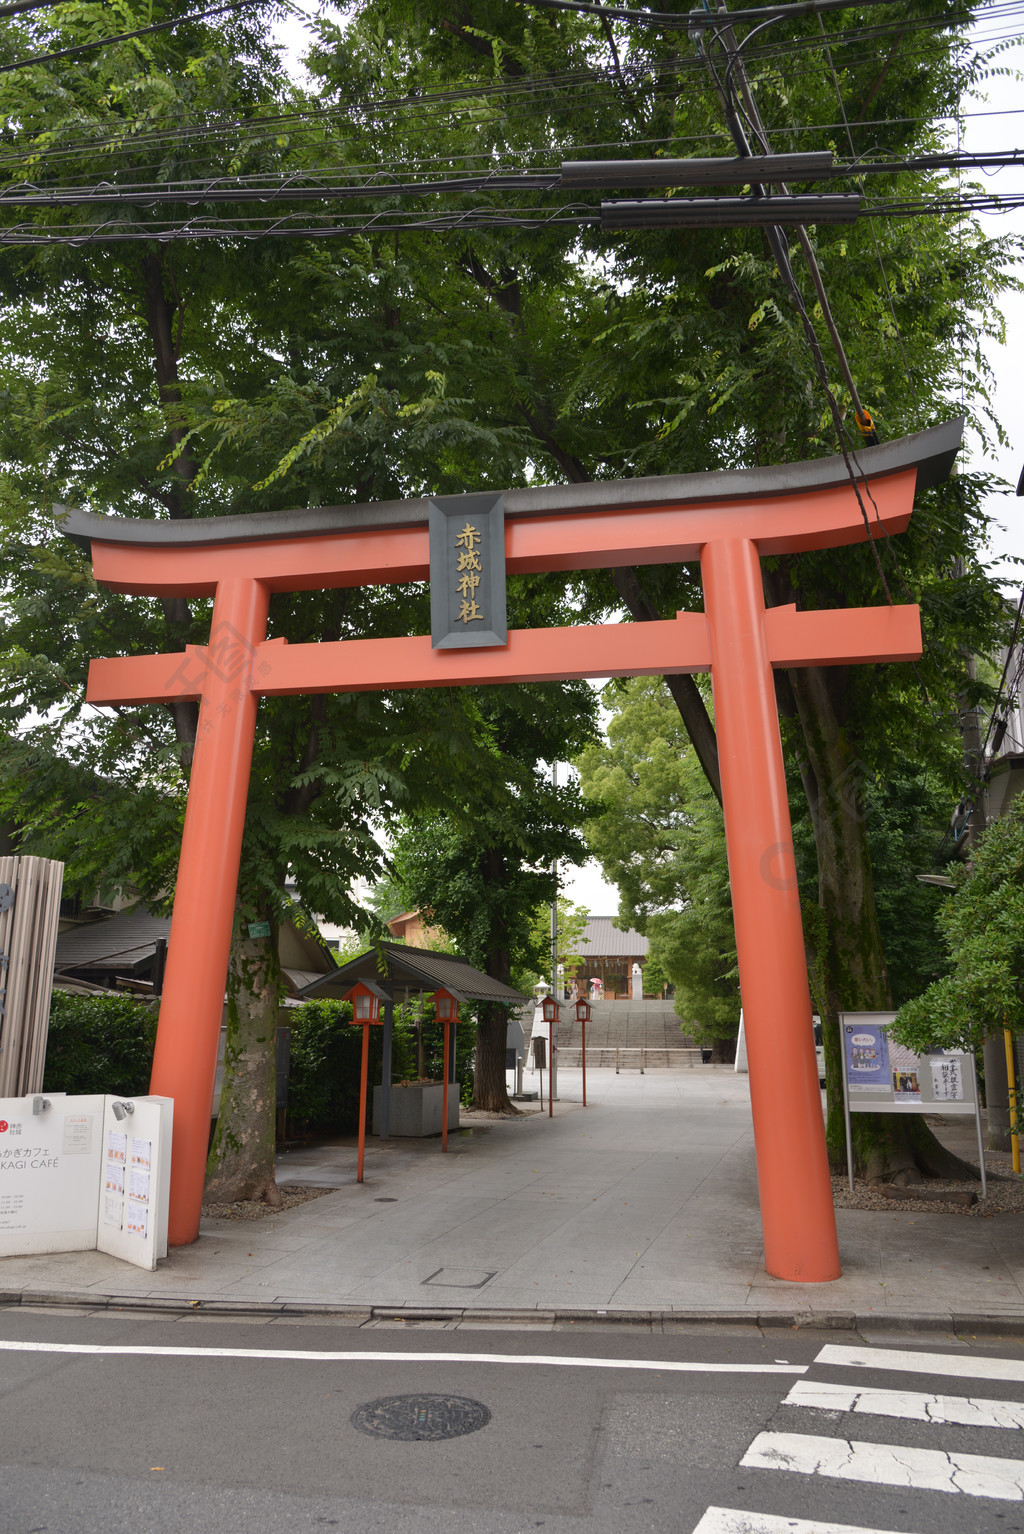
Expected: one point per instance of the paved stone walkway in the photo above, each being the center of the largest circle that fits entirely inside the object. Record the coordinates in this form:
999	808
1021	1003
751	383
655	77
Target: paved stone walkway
644	1205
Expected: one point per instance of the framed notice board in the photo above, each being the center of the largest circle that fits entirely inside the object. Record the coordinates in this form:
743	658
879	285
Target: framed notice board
883	1076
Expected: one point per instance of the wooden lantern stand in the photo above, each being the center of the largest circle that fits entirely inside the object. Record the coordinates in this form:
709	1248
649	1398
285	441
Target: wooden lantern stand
583	1018
366	997
446	1008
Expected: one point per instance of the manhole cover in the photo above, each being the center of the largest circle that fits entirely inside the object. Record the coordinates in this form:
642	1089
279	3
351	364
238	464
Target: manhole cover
421	1418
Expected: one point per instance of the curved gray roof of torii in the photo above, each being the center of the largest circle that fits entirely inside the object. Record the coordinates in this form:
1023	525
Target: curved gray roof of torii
931	452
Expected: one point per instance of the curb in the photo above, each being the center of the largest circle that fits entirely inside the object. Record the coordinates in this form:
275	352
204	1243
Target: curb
927	1323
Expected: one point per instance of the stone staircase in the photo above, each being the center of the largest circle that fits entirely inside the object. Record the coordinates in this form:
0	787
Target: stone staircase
627	1035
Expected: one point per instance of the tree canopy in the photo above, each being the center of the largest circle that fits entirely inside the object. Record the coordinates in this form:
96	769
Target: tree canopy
211	374
982	926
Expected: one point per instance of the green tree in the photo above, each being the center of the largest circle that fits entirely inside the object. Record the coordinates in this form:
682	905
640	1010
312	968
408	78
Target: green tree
494	355
982	927
660	837
115	361
571	921
483	867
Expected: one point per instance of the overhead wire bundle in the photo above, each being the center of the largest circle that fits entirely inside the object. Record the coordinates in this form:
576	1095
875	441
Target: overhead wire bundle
138	200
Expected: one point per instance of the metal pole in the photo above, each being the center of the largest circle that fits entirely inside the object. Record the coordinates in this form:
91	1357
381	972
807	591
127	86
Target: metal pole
188	1033
444	1094
1011	1081
385	1067
846	1107
364	1071
583	1025
797	1214
977	1125
553	1039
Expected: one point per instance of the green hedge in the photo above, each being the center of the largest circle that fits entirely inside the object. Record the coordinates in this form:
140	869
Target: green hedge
100	1044
105	1044
323	1087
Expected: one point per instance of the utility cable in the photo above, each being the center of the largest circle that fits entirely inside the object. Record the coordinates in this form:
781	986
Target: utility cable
780	250
311	186
121	37
910	372
683	20
736	67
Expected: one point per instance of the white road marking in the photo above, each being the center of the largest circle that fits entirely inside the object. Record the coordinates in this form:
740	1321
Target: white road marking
956	1365
296	1355
733	1520
967	1411
975	1475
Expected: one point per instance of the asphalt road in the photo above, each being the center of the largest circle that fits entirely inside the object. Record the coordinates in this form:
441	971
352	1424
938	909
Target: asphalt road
129	1423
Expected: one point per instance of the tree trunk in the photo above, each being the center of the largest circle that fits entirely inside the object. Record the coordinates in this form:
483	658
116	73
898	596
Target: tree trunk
489	1082
847	960
241	1162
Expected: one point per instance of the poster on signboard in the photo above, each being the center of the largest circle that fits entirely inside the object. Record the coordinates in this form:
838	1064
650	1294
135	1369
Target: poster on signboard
867	1057
883	1076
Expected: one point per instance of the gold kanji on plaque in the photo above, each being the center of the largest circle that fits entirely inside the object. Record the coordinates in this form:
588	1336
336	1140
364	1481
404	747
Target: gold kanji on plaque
468	612
468	538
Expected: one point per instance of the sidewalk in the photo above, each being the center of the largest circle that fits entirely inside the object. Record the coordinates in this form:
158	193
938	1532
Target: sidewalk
641	1207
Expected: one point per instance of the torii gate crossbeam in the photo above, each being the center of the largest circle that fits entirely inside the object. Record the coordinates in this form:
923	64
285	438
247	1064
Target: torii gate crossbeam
727	521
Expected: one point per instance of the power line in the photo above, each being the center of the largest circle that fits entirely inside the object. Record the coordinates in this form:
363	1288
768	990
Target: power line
594	175
391	221
688	20
27	5
120	37
308	121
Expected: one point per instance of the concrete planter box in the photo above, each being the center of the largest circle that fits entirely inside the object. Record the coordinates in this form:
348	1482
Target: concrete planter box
416	1108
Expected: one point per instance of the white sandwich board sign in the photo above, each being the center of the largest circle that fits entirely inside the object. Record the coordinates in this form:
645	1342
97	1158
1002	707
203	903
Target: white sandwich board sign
85	1173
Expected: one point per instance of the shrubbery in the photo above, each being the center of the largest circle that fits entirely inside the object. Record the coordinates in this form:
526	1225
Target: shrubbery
105	1044
100	1044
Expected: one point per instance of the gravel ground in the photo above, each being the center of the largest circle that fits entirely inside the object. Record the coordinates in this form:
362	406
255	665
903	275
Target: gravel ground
256	1209
1004	1196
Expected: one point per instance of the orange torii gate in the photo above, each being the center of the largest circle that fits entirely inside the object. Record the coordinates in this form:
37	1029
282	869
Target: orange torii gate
726	520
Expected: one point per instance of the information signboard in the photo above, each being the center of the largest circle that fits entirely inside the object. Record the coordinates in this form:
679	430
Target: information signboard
77	1176
883	1076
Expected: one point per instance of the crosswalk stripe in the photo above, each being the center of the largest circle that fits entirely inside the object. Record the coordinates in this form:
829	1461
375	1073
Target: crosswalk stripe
966	1411
975	1475
957	1366
734	1520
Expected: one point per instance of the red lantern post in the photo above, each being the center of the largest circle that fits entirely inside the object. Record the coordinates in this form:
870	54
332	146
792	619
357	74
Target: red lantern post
366	998
583	1018
446	1006
550	1006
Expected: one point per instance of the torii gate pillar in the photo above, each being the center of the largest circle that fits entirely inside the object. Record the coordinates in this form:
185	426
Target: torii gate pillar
727	521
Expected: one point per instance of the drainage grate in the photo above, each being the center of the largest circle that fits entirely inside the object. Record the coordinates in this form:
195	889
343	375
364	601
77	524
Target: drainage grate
420	1418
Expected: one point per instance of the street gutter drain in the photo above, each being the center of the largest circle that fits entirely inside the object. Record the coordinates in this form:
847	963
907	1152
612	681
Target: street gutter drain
420	1418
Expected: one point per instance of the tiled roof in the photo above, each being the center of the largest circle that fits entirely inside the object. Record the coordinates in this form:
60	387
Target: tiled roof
413	970
115	942
602	940
129	939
